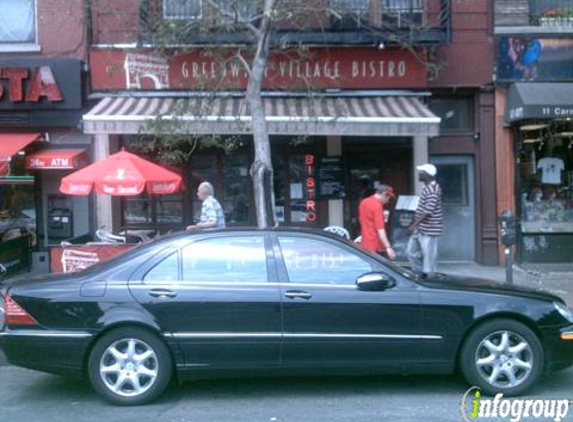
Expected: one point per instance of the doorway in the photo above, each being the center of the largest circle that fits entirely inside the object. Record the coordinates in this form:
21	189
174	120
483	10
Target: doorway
456	178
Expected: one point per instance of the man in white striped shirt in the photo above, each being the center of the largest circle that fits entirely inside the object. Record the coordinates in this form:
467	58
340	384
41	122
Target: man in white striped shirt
428	226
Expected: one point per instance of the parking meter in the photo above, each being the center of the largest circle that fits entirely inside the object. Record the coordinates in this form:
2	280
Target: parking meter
506	221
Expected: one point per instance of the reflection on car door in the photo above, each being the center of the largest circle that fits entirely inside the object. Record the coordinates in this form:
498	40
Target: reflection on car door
218	296
327	321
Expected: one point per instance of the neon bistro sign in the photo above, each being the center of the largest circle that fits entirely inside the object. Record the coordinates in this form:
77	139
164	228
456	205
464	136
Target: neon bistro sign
310	189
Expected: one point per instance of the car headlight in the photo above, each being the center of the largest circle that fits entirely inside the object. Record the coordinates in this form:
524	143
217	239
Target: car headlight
566	312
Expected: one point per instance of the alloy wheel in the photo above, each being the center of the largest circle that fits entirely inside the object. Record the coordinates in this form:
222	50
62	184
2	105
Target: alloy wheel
504	359
129	367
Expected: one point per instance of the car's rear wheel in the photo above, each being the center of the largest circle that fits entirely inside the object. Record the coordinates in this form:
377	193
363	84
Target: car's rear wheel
502	356
130	366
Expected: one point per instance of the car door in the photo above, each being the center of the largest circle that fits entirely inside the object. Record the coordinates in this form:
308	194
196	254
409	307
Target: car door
328	321
218	296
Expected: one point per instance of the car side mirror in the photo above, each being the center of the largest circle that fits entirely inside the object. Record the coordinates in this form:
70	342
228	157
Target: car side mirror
372	282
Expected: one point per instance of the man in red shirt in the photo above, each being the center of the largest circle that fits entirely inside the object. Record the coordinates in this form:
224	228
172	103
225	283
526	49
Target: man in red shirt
371	218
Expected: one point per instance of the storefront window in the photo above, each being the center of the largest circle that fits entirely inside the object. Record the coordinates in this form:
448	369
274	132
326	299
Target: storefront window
295	188
137	210
546	182
236	186
169	209
151	209
17	200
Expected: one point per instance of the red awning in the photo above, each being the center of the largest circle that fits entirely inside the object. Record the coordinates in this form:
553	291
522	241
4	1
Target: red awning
60	159
11	143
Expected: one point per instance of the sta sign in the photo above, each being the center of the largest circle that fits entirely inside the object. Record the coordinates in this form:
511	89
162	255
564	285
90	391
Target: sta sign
40	82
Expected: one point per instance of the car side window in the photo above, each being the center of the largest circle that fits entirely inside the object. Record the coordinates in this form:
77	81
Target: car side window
312	261
167	270
240	259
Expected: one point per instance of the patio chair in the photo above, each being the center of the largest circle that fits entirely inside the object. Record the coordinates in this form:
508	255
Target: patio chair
107	237
338	230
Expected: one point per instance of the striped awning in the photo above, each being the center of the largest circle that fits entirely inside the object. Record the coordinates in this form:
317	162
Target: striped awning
344	115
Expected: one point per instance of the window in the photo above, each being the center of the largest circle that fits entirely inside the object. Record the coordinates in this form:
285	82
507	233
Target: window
167	270
317	262
402	6
18	21
296	203
453	179
148	209
240	259
245	10
182	9
235	200
454	112
350	6
351	13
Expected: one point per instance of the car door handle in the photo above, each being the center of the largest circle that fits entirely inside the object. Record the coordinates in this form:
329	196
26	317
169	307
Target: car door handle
162	293
294	294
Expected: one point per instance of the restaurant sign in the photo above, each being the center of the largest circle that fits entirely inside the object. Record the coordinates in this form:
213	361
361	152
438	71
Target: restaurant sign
319	68
40	84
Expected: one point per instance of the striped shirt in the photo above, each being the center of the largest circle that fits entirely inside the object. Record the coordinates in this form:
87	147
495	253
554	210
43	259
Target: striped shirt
212	211
431	204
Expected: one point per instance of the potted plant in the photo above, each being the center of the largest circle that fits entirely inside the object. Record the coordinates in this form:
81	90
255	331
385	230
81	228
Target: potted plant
556	17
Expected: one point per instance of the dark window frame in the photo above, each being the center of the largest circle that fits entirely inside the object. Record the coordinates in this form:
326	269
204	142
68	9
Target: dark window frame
471	122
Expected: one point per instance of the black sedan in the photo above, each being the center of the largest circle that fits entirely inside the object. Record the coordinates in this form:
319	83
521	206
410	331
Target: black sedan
265	302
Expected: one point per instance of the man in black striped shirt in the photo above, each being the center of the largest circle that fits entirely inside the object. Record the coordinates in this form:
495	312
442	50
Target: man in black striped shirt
428	226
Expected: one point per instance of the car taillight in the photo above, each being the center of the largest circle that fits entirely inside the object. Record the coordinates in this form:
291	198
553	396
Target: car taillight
16	315
2	311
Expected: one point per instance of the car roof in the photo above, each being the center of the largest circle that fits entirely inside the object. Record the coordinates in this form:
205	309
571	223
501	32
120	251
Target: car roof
230	230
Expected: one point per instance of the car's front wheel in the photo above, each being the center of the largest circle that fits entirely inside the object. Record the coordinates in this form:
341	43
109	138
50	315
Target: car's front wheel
502	356
130	366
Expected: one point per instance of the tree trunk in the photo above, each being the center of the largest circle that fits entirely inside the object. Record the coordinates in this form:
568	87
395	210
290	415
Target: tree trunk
262	165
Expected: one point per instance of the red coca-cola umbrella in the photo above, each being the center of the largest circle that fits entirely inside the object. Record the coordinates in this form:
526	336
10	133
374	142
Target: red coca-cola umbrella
122	174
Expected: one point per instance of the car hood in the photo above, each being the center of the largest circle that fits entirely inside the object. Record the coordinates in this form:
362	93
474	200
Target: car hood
452	282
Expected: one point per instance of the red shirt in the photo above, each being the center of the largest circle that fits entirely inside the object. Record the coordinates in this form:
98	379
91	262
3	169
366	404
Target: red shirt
371	218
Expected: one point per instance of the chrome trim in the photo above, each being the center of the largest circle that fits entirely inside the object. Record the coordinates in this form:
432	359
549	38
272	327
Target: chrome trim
187	284
222	335
34	333
327	286
302	335
373	336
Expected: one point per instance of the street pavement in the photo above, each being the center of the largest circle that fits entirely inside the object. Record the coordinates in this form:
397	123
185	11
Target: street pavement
32	396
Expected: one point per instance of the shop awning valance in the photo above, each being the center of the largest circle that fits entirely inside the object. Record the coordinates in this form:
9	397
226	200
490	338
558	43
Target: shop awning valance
57	159
11	143
539	100
358	116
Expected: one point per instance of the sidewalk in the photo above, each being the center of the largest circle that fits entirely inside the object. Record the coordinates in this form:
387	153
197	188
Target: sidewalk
555	278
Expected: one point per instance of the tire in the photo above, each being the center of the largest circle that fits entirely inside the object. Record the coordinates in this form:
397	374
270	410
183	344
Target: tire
502	356
130	366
